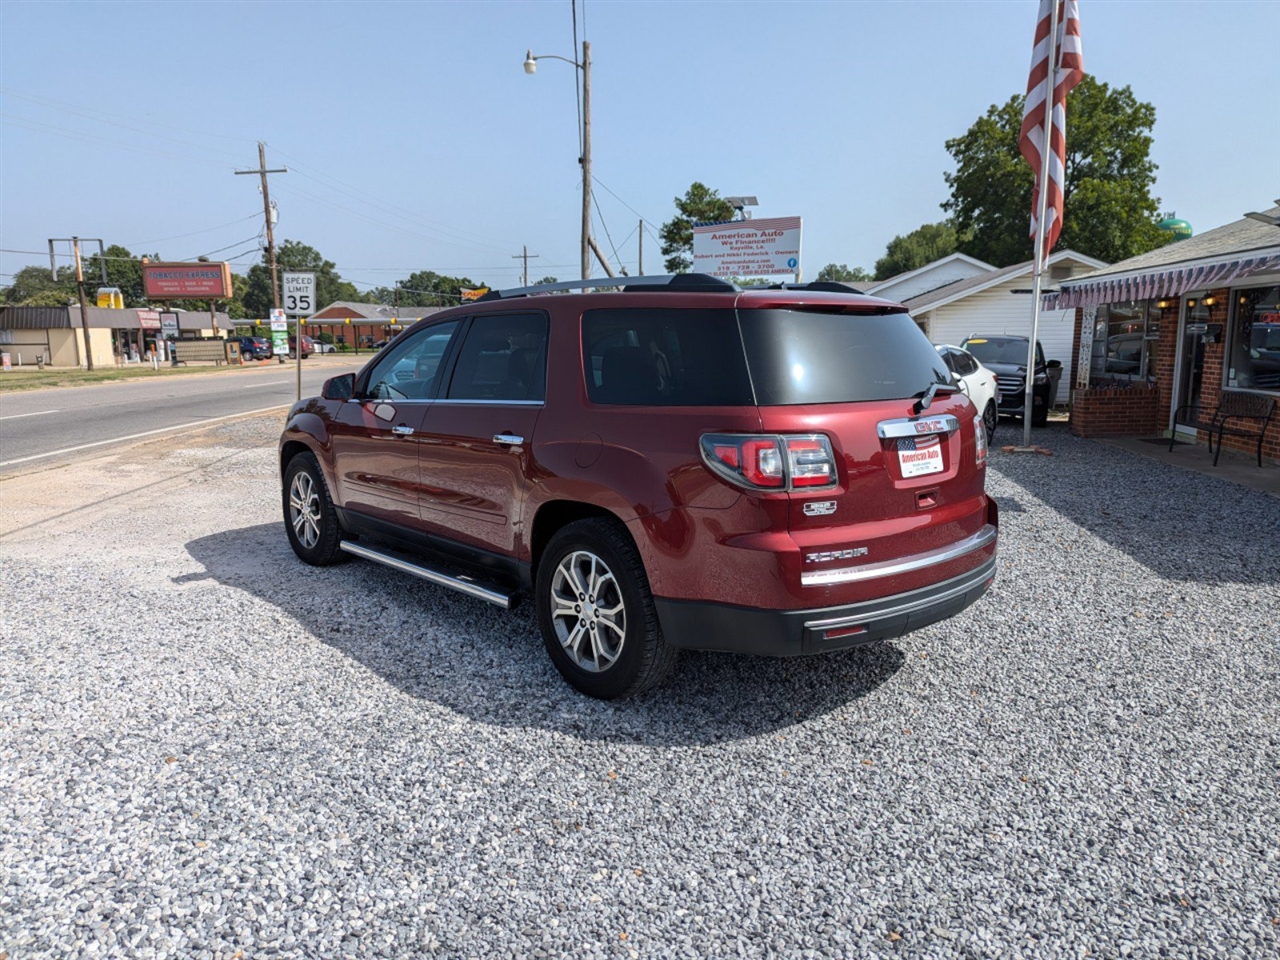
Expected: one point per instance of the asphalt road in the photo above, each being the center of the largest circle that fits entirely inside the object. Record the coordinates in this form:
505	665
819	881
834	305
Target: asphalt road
40	427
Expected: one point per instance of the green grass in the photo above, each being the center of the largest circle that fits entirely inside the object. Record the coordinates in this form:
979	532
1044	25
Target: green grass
32	378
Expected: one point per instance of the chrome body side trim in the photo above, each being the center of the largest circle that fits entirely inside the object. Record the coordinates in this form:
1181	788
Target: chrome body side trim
971	580
470	588
889	568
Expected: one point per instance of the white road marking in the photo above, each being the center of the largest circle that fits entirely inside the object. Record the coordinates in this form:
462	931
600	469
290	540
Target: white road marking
148	433
269	383
38	413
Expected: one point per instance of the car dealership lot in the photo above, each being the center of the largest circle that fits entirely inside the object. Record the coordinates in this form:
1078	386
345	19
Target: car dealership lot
206	746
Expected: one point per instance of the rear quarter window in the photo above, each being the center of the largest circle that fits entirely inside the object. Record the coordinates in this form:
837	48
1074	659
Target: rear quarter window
802	356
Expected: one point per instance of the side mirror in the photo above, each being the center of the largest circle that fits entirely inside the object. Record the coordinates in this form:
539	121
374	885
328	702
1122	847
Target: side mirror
339	388
1053	363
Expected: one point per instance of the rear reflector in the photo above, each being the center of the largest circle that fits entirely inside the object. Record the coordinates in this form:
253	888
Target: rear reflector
838	632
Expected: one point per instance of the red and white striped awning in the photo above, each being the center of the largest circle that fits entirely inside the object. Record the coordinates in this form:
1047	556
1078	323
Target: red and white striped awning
1168	281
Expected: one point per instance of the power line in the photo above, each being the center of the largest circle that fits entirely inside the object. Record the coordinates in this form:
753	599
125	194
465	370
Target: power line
12	120
182	236
294	191
63	105
607	235
102	118
363	196
227	247
621	201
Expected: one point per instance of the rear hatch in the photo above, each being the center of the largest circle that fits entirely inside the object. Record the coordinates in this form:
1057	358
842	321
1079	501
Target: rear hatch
908	480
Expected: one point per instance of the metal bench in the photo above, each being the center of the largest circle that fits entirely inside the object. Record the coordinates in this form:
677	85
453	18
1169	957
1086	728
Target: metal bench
1237	415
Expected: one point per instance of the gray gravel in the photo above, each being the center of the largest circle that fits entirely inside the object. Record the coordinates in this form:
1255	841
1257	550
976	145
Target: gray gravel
210	750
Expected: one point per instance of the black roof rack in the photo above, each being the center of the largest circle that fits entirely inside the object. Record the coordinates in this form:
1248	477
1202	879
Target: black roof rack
676	283
819	286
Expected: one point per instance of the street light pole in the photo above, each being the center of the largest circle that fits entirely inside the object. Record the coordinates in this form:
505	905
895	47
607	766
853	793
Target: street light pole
586	159
531	67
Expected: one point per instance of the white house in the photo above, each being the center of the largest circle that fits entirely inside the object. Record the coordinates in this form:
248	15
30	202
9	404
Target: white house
939	273
990	301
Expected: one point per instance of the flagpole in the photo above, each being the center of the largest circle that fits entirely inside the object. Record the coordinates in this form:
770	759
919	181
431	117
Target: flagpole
1050	81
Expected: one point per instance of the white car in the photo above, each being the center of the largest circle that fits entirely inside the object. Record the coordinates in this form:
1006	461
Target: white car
977	382
325	347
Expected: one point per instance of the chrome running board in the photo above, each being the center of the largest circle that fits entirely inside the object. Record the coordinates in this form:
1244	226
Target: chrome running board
460	582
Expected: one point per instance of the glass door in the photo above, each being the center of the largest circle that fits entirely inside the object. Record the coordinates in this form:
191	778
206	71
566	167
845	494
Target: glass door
1192	327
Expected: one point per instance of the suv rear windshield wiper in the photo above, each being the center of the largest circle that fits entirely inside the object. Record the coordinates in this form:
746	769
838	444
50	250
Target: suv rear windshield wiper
927	398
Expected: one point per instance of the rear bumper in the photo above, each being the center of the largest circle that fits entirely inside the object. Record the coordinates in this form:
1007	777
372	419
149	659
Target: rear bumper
697	625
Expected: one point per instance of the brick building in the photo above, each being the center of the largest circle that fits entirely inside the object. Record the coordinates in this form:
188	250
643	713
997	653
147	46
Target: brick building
1179	325
363	326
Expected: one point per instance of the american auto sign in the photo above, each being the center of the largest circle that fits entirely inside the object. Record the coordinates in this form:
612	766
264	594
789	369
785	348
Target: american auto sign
747	248
186	281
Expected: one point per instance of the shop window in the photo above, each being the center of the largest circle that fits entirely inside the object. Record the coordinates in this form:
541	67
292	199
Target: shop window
1255	343
1124	341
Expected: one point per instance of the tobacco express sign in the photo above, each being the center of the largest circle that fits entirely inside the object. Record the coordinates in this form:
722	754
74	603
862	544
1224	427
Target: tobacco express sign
298	294
747	248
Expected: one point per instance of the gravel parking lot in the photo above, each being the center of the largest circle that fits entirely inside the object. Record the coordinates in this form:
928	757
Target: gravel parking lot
210	750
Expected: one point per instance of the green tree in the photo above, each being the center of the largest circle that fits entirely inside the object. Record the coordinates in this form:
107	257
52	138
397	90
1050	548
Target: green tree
293	255
35	287
124	270
426	288
548	280
699	205
910	251
1109	212
840	273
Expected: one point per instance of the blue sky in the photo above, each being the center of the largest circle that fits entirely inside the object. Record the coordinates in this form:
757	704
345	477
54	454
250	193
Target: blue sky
415	140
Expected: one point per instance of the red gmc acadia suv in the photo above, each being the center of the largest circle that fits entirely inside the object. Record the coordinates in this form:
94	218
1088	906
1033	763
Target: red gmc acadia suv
676	464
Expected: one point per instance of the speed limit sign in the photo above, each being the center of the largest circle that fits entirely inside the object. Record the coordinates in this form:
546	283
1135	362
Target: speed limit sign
299	291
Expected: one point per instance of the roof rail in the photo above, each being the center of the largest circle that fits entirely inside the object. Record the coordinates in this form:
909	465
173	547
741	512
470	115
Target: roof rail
820	286
675	283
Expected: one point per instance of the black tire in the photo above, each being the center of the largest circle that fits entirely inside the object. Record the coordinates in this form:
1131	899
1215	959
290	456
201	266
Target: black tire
312	524
641	657
1040	415
990	417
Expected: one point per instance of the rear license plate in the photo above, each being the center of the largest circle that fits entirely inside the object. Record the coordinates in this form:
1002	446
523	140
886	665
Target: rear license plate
919	455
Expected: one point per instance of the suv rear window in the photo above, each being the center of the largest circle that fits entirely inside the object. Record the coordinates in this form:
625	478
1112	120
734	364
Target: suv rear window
1002	350
664	358
799	356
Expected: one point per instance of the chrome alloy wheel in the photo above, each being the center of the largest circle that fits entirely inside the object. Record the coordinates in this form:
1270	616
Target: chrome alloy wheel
304	509
588	612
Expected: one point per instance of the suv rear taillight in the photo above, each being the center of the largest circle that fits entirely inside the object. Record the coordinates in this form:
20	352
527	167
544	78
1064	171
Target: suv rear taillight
803	462
979	442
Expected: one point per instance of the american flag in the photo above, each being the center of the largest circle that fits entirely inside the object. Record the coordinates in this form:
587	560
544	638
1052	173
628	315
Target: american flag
1070	60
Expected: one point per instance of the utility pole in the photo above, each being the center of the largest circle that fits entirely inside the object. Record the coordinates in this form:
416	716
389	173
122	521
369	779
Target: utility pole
262	171
84	302
586	159
524	255
641	236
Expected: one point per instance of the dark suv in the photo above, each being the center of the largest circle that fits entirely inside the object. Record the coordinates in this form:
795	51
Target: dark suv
677	464
256	348
1006	357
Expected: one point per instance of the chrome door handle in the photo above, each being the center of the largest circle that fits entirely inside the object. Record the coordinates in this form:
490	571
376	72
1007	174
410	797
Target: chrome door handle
508	439
402	431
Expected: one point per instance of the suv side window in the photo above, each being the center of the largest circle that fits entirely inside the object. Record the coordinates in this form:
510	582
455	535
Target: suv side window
965	364
502	357
666	358
409	367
